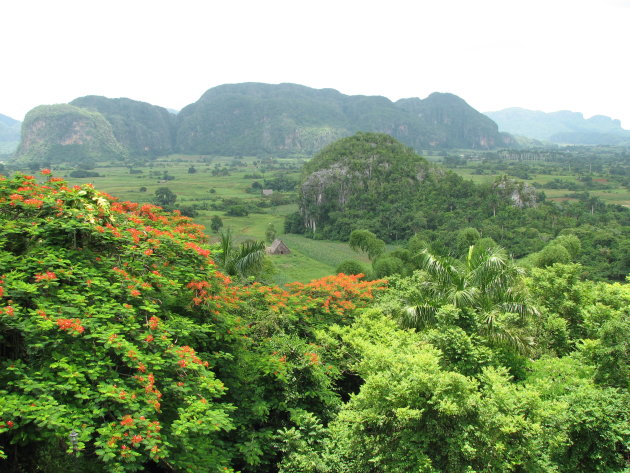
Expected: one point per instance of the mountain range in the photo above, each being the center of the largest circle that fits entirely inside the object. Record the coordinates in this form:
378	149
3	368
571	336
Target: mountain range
563	127
281	120
251	119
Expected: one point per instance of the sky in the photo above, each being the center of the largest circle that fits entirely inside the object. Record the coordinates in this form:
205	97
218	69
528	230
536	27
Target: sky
544	55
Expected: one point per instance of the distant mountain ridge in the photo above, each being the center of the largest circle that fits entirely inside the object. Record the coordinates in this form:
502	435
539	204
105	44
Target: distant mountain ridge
256	119
291	118
9	134
563	127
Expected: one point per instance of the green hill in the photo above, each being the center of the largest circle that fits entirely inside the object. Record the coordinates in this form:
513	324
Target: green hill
259	119
372	181
55	133
144	129
255	118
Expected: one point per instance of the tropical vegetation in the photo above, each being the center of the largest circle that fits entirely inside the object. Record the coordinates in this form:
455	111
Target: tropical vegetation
125	345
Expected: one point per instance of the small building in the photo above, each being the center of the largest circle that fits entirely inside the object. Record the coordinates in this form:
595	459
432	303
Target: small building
278	248
267	191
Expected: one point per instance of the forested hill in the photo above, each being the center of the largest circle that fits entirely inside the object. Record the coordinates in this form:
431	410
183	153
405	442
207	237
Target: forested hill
65	133
372	182
264	119
144	129
561	127
253	118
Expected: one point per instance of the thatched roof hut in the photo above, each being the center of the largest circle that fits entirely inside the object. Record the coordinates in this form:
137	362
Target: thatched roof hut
278	248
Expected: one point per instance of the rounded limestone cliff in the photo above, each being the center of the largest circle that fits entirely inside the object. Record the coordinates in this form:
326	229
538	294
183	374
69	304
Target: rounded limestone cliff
65	133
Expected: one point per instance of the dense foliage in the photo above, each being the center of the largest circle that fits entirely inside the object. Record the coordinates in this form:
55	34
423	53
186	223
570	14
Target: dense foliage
372	182
123	347
116	325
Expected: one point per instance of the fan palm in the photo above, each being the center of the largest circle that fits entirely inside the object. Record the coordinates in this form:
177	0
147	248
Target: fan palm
243	260
485	285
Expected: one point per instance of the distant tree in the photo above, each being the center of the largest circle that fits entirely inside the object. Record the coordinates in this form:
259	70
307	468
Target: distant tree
386	266
368	242
350	267
216	223
237	210
270	233
551	254
466	237
164	197
294	223
143	189
192	170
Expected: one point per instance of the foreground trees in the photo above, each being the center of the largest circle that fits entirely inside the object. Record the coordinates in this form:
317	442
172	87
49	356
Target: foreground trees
123	348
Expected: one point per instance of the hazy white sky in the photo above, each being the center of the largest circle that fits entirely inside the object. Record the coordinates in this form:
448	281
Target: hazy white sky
539	54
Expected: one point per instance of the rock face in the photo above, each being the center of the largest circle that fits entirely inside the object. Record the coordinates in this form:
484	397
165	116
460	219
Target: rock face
143	129
67	133
520	193
454	123
561	127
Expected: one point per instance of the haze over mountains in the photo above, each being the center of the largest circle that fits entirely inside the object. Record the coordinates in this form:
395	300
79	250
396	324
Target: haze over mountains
561	127
285	119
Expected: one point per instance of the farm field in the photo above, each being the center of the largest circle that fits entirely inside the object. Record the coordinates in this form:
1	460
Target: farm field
219	179
606	187
309	259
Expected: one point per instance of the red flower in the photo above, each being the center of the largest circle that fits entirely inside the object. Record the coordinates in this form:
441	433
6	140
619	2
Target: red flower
153	322
45	172
47	276
127	420
136	439
70	324
10	423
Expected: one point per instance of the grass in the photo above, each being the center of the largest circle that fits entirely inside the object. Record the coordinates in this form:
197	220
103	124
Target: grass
309	259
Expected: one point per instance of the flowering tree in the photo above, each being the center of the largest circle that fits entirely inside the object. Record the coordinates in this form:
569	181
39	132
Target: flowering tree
122	345
94	318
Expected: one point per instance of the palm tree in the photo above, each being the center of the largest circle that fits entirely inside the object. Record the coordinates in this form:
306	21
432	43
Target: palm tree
243	260
485	285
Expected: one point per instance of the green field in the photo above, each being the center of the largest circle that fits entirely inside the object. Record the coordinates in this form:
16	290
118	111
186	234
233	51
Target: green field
615	195
309	259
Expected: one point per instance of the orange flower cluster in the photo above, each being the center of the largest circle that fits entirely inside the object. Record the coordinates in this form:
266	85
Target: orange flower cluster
187	355
70	324
329	295
47	276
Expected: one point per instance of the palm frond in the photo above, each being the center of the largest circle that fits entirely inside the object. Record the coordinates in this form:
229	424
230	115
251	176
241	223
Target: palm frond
418	316
250	257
